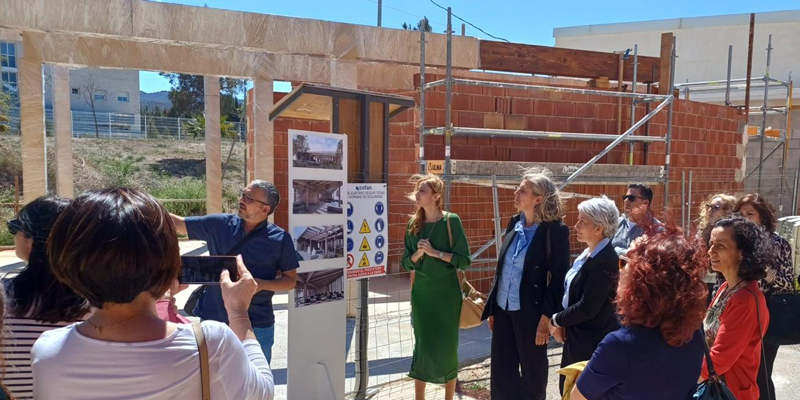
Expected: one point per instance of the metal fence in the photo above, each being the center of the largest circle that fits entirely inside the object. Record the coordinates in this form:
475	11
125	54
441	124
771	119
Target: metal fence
124	126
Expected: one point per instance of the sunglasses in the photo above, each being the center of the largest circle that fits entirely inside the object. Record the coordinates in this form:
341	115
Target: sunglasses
15	226
715	207
623	261
248	200
631	197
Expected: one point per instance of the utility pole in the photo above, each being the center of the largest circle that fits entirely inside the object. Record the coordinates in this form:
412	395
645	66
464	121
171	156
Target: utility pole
380	11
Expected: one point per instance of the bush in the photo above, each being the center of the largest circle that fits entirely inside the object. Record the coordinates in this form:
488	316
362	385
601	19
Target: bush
183	188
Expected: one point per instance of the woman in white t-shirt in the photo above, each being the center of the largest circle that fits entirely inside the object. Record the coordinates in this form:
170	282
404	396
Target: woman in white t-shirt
118	249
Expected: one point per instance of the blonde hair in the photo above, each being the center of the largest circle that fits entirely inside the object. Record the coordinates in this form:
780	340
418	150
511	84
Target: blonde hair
437	187
538	180
728	204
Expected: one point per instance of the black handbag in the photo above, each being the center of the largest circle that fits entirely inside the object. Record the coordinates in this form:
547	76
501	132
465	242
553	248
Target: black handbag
194	298
784	319
714	388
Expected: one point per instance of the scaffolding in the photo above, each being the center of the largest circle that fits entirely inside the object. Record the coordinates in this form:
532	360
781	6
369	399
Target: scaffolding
448	131
762	133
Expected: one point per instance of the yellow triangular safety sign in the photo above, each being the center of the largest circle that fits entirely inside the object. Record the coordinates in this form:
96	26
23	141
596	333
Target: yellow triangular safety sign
364	227
364	245
364	261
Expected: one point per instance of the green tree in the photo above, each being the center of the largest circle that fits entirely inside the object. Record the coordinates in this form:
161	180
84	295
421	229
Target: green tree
5	106
422	24
187	95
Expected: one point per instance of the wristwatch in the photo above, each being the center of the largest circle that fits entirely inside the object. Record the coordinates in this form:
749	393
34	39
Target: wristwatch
441	255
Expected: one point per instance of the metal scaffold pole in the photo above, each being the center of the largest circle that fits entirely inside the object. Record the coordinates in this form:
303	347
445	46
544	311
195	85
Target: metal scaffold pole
669	126
633	100
728	81
422	165
764	109
448	124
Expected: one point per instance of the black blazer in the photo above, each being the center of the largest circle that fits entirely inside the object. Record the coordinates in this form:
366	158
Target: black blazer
591	315
536	297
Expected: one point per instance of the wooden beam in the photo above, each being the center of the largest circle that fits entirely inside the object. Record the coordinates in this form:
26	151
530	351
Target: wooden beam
749	63
545	60
666	55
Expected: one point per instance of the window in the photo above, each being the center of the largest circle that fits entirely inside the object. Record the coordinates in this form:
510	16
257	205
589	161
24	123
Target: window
9	80
122	97
8	55
76	91
99	96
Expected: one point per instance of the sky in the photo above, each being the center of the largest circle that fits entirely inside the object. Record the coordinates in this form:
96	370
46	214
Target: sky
520	21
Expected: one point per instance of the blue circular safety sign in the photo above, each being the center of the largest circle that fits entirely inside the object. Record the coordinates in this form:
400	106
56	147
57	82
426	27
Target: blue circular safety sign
379	208
349	209
378	257
349	226
380	241
350	244
379	224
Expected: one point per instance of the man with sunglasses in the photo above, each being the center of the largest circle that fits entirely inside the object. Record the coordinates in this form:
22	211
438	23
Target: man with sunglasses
268	253
636	205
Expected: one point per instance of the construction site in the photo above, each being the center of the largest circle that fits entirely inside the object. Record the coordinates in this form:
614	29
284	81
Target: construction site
476	112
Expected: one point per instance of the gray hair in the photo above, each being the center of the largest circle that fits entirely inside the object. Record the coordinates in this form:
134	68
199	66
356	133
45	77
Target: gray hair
538	180
603	212
273	197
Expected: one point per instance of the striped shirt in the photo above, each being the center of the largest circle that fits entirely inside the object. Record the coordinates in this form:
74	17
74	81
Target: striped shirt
18	338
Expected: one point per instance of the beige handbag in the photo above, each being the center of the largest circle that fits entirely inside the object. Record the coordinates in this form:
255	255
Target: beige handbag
472	301
203	349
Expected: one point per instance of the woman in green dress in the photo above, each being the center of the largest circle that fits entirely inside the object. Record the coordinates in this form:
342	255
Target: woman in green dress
435	246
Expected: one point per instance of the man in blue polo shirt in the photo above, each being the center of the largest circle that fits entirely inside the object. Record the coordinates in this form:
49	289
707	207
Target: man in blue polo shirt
269	255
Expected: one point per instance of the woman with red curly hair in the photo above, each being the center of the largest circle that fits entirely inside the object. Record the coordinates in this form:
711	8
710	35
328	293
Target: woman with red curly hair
658	352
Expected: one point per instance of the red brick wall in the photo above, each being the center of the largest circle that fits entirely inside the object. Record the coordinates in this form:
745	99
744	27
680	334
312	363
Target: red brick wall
705	138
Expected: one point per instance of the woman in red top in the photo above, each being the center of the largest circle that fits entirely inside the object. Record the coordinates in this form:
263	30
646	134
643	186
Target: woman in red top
737	318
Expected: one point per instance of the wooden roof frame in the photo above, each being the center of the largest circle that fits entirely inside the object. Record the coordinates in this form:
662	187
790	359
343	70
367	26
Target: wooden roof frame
397	104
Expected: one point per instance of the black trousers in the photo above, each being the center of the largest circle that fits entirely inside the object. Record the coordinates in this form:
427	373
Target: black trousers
765	372
514	345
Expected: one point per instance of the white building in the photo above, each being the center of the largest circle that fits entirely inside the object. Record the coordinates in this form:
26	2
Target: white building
115	94
702	50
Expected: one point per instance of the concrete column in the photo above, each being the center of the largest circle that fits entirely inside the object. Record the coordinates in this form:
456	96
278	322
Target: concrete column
63	131
34	162
264	138
213	146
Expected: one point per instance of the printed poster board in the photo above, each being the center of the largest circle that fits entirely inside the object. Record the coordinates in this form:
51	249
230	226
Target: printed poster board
317	307
367	233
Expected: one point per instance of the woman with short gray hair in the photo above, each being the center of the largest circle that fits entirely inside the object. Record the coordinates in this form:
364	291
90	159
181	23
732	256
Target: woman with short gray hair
588	313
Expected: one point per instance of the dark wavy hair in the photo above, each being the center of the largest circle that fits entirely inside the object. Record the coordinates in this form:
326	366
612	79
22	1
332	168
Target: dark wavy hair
35	292
112	245
757	247
765	209
662	285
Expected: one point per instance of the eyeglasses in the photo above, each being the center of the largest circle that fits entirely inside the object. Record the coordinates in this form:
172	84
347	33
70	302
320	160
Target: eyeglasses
623	262
15	226
248	200
631	197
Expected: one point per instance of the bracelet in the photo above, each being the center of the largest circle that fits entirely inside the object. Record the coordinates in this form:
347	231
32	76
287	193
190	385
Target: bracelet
238	319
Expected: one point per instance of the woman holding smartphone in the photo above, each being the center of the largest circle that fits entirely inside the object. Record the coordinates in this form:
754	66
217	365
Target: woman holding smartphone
435	247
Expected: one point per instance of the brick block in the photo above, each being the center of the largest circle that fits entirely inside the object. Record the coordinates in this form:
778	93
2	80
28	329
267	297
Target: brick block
483	104
557	155
493	121
470	119
516	122
586	110
434	99
580	125
564	109
607	111
521	106
462	102
536	123
543	107
558	124
503	105
517	154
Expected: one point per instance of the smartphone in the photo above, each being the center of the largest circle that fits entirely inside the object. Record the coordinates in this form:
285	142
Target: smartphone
206	270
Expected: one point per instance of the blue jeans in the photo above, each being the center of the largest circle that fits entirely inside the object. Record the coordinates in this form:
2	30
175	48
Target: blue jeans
266	337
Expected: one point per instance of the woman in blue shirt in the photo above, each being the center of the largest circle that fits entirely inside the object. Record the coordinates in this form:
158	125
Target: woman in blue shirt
522	298
590	285
658	352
